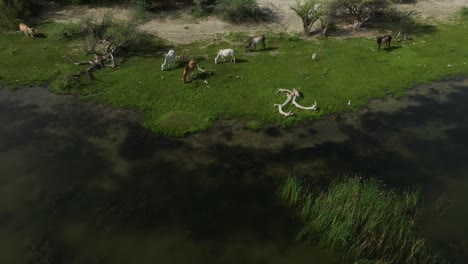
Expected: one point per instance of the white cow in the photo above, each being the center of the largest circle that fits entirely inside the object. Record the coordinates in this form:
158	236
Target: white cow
256	41
170	58
225	53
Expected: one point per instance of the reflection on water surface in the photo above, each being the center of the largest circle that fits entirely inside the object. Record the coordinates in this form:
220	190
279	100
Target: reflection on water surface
82	183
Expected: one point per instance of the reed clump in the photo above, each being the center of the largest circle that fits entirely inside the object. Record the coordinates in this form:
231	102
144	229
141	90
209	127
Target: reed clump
361	219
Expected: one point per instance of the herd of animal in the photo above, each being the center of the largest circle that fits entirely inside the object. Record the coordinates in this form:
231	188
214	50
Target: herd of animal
192	65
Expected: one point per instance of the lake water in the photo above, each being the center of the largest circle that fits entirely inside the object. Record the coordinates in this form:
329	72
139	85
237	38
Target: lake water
84	183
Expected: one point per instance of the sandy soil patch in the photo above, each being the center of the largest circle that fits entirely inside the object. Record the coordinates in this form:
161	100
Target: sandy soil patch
437	9
181	28
76	13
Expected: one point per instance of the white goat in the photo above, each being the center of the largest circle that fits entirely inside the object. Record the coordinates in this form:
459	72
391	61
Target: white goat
170	58
225	53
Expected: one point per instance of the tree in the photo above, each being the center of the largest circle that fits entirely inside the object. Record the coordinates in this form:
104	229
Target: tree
11	11
361	10
310	11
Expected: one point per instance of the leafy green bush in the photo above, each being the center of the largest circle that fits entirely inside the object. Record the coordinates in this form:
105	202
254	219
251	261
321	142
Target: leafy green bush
255	126
10	12
463	13
121	33
65	31
237	11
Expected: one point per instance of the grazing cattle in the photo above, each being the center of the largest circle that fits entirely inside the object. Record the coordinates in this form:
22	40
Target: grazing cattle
170	58
254	42
191	67
27	30
225	53
385	40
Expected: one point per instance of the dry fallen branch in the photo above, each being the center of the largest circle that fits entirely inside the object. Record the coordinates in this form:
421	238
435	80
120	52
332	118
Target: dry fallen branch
280	106
292	95
100	60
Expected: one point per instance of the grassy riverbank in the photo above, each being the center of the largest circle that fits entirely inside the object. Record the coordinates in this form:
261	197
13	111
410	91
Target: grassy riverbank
345	69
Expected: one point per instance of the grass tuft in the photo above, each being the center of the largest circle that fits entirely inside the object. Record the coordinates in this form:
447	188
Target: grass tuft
180	123
362	219
254	126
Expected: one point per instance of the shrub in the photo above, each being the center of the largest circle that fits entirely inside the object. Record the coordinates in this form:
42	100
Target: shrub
359	11
463	13
309	11
10	12
65	31
122	33
237	11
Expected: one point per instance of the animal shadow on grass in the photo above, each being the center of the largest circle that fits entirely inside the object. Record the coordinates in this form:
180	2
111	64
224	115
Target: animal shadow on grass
391	48
270	48
180	64
239	61
200	76
261	50
204	75
40	35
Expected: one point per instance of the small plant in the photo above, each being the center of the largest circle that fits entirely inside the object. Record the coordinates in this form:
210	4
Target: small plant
291	191
463	13
11	50
254	126
295	36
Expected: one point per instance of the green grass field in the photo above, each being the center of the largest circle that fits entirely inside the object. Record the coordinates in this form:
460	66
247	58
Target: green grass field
345	69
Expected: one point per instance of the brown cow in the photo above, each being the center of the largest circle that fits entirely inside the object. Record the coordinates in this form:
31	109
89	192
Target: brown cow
27	30
191	67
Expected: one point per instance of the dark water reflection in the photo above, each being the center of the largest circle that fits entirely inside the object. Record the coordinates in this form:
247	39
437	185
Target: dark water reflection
81	183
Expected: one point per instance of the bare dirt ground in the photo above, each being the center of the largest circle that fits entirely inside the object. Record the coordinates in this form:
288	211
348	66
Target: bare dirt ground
181	28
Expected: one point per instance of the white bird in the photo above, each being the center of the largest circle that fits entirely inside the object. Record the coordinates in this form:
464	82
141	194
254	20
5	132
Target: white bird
349	102
314	55
205	81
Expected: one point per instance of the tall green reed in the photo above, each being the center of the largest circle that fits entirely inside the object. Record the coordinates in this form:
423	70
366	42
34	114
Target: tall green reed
362	219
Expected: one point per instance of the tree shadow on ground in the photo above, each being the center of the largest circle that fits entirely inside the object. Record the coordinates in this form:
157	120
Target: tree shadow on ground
404	22
266	14
258	15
